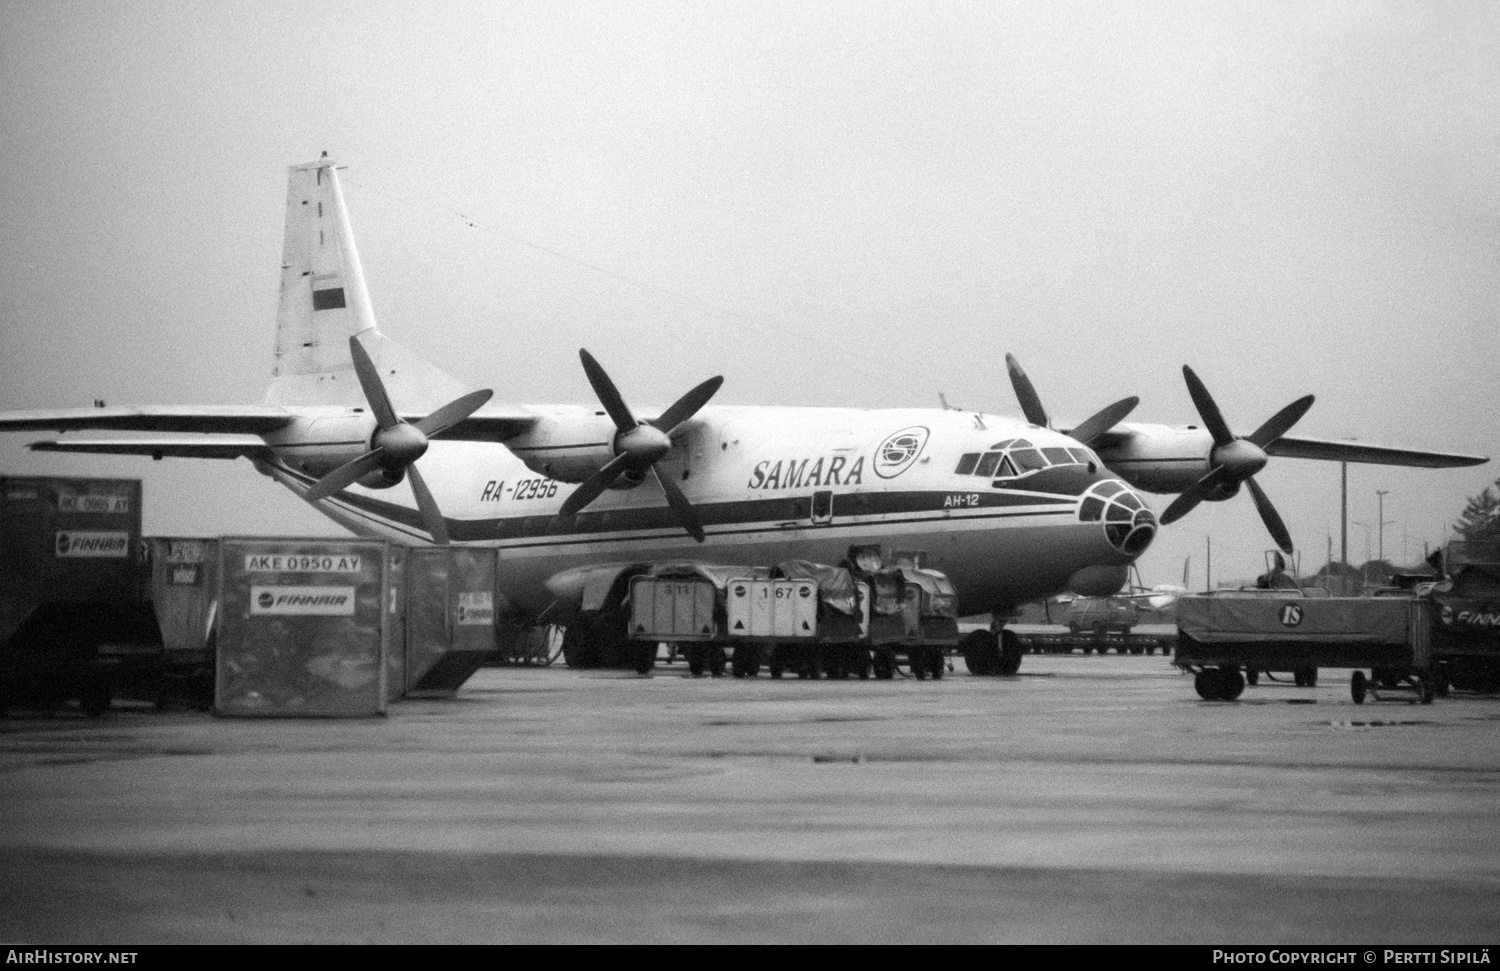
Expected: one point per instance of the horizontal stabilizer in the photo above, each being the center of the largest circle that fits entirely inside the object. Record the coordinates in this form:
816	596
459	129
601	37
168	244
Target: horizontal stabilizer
1314	448
198	447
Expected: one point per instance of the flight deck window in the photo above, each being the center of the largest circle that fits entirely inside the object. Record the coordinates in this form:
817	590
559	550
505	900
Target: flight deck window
1092	509
1028	460
987	464
967	463
1058	456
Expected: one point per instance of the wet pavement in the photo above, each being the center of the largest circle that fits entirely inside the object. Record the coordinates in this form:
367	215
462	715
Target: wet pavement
1088	799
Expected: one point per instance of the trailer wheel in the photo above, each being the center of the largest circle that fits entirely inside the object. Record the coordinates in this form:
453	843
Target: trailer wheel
1206	683
645	656
1428	691
694	655
1252	677
1357	687
936	661
715	654
1234	683
884	664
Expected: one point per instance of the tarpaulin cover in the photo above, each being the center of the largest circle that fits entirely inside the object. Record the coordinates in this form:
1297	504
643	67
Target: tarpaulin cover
1331	620
835	584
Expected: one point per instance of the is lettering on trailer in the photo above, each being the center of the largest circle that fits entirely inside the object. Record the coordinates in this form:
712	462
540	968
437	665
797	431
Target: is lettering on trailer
302	563
302	601
75	544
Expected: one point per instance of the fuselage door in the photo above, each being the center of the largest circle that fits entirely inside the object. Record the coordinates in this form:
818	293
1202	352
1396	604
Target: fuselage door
822	507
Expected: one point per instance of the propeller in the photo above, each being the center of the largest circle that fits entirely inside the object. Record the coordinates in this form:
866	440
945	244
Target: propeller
1085	431
397	444
639	445
1234	460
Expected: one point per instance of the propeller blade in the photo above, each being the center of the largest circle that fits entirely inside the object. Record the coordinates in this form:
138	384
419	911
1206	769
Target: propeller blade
344	476
369	380
453	412
431	515
1281	422
1207	409
687	406
1185	503
608	394
1269	516
1103	420
594	485
1031	403
686	514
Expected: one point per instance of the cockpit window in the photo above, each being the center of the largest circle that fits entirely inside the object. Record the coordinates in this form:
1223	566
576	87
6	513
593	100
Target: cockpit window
1028	459
1017	457
1058	456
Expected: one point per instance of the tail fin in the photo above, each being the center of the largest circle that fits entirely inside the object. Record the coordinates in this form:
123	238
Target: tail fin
324	302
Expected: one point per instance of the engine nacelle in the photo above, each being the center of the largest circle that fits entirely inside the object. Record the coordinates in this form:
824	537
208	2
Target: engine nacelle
1161	458
567	449
317	446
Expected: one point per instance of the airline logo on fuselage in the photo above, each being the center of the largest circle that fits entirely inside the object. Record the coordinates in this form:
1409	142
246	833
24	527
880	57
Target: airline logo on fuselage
825	470
896	454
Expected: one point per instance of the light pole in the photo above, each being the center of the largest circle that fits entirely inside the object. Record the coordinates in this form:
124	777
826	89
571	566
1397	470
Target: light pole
1381	494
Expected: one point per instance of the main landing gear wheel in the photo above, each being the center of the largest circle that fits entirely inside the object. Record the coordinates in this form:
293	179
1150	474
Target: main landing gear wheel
1010	654
981	651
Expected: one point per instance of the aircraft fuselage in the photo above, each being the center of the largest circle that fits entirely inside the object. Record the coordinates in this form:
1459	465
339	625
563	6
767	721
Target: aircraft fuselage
1034	516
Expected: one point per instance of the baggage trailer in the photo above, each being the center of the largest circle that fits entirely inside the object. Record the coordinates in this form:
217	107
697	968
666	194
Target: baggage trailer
75	622
1466	608
804	618
1227	633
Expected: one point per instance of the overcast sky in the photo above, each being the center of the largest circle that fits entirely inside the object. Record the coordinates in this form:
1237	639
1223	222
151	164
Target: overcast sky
854	204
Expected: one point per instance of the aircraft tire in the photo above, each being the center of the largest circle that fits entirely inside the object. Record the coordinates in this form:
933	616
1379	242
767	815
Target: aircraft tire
981	653
1009	661
578	649
95	697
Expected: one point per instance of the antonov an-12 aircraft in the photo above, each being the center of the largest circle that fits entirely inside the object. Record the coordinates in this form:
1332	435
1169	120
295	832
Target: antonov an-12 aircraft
1011	509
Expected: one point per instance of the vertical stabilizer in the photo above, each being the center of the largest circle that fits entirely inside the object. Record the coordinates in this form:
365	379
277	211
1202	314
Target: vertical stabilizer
324	302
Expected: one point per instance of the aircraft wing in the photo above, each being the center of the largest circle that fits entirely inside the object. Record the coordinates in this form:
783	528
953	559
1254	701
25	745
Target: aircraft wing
1292	447
485	425
199	447
220	419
